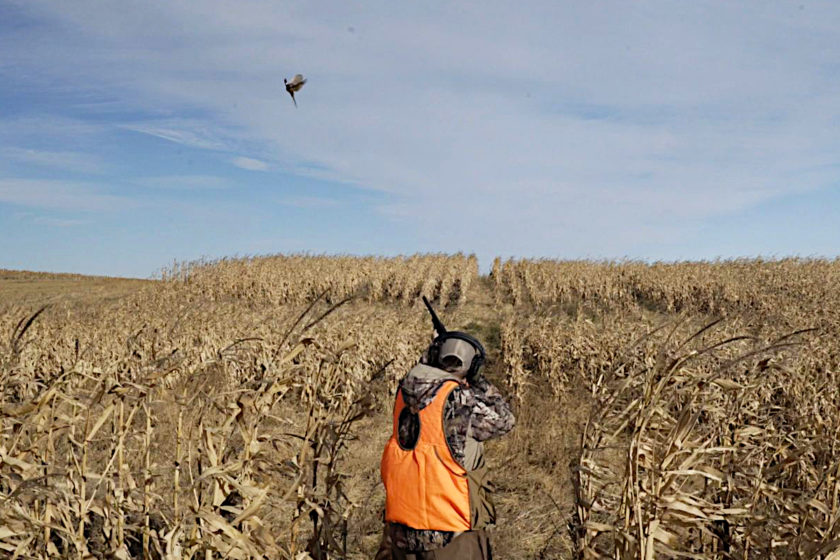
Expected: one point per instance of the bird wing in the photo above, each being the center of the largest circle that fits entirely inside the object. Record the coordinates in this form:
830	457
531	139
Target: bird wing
298	79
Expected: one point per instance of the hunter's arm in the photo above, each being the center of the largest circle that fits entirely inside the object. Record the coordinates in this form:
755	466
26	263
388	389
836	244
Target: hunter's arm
491	415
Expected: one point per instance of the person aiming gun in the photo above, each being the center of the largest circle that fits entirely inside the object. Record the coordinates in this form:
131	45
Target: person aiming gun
437	503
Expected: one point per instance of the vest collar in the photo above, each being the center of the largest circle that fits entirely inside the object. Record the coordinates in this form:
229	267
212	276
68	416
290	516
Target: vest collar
429	373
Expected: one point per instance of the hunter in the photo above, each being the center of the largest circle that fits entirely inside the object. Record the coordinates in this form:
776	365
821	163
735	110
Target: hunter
437	488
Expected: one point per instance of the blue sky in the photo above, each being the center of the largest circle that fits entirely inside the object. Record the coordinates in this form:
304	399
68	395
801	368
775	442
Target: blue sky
134	134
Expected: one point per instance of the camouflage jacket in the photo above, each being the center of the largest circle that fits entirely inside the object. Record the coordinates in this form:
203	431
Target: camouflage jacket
477	410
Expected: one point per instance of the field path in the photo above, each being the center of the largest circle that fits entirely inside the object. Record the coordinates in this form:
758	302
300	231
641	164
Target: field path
531	465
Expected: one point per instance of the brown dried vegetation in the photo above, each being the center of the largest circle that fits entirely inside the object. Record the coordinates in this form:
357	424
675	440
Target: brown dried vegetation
713	430
189	420
237	408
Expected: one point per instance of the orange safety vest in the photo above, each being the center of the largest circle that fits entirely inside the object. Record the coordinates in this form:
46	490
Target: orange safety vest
425	487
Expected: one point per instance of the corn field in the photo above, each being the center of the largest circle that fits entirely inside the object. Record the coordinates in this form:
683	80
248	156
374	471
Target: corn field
237	408
713	430
300	278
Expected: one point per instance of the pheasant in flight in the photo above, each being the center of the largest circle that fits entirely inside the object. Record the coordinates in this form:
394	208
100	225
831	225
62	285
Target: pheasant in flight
294	85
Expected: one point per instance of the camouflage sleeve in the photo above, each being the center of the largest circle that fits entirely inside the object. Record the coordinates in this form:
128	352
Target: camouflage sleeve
480	410
491	415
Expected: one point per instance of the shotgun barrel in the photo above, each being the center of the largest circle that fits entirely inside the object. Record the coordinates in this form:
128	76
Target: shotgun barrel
440	330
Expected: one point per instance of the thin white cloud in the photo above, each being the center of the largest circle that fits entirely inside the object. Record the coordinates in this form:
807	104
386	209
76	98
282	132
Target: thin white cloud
250	164
46	128
183	182
189	132
65	160
59	222
309	201
53	221
60	195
